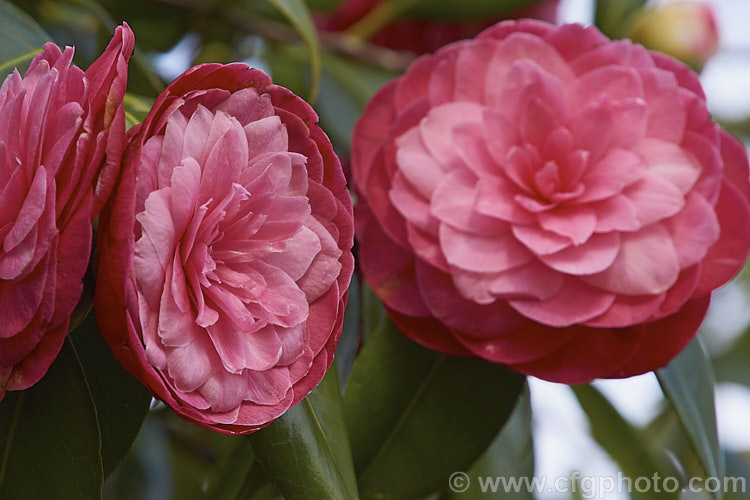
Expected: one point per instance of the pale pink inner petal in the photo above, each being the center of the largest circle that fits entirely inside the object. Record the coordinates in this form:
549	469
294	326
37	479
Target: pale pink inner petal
647	264
229	254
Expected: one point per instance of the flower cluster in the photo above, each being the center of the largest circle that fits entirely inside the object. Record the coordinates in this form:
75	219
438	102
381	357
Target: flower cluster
540	197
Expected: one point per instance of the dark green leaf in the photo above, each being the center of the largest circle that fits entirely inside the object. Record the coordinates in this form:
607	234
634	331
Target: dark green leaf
348	346
49	440
305	453
688	382
619	439
146	471
415	416
140	74
374	317
21	38
226	480
322	5
611	15
121	401
738	475
386	12
298	15
465	9
254	484
511	454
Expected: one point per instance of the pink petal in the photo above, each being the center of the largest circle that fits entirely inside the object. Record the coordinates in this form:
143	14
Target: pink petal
575	222
224	391
412	204
654	198
298	254
725	258
539	241
453	310
574	303
603	125
694	230
495	198
453	203
646	265
615	214
389	270
483	253
610	175
608	82
268	387
525	82
594	256
671	162
192	364
628	310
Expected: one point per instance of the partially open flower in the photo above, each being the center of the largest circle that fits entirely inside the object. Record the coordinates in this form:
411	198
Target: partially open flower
685	30
549	199
62	135
225	252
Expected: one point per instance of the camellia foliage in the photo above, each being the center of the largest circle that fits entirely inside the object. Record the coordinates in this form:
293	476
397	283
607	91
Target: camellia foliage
312	249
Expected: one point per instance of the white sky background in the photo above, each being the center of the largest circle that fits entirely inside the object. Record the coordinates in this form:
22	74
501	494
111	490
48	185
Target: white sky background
562	442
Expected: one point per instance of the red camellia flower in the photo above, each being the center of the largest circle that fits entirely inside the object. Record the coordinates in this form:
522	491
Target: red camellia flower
423	36
225	251
548	199
61	139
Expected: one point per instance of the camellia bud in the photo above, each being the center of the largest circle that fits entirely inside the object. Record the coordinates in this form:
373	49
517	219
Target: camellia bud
685	30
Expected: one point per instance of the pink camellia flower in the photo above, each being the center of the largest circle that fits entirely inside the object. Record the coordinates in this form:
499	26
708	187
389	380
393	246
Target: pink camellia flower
548	199
62	135
424	36
225	251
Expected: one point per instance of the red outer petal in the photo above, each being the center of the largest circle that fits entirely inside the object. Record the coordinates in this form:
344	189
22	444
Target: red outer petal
84	171
116	305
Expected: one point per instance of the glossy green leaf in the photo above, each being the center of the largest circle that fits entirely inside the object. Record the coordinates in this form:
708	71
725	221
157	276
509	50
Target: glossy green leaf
21	38
623	442
348	346
306	453
612	15
688	382
511	454
415	416
298	15
374	316
121	401
226	480
49	437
